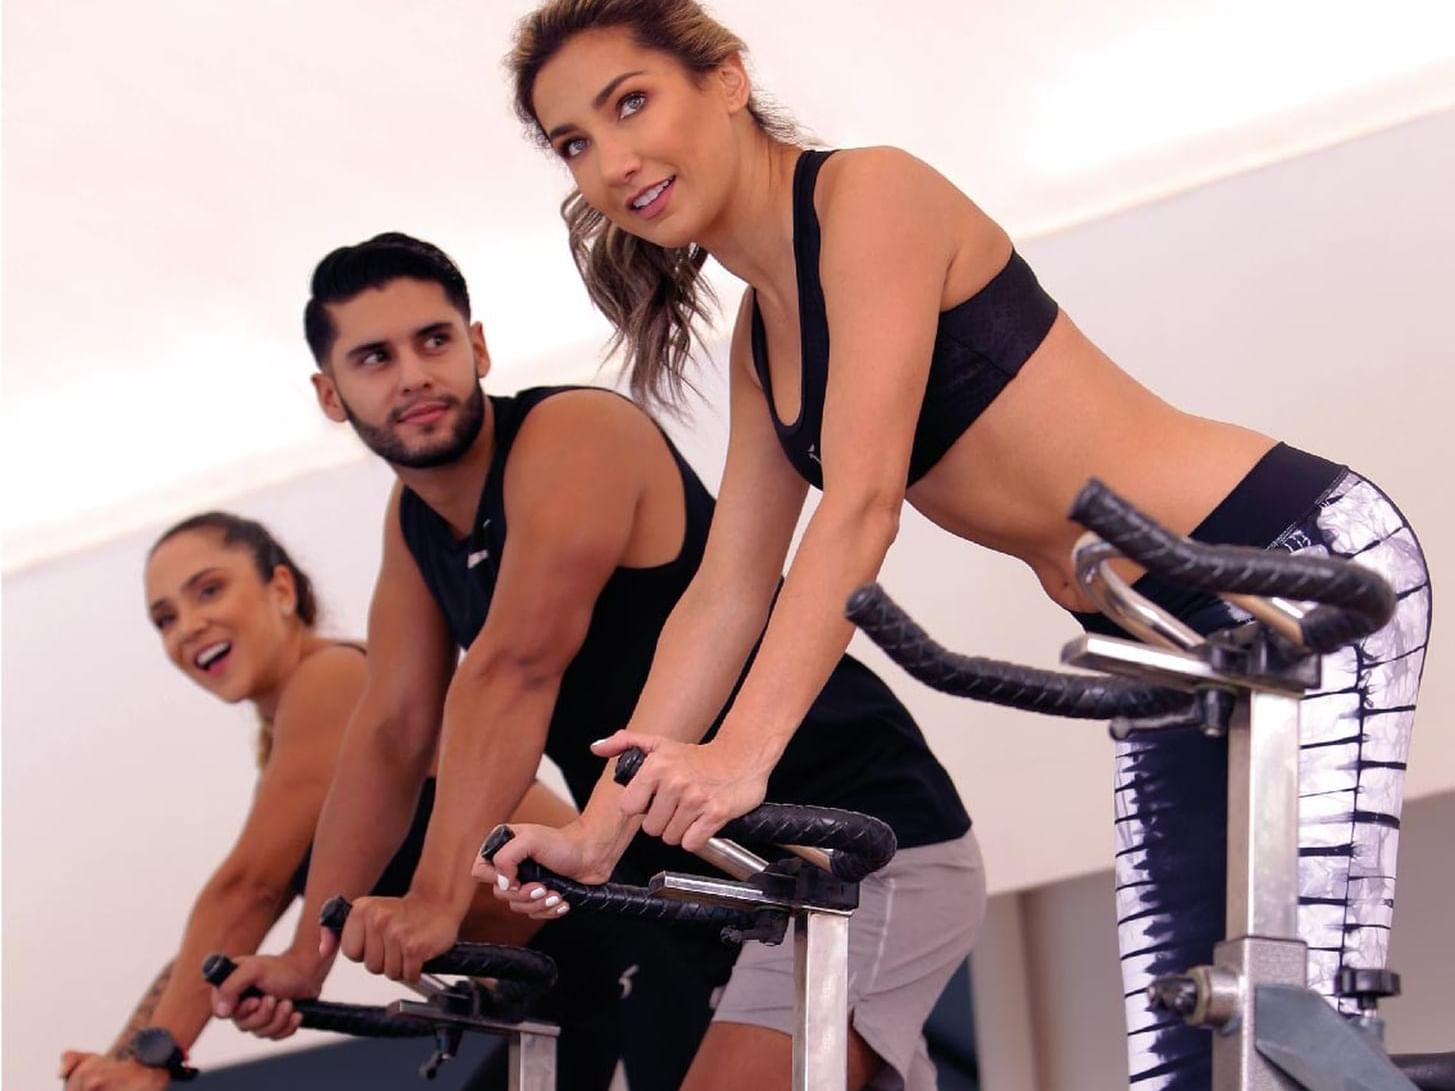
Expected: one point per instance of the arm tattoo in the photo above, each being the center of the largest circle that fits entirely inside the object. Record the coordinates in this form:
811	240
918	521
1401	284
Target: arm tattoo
142	1016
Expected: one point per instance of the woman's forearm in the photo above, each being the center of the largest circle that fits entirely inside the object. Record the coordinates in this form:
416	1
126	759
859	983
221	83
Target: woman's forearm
843	548
699	658
231	916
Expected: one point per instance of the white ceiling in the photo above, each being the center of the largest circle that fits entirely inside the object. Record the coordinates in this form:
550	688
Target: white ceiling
173	169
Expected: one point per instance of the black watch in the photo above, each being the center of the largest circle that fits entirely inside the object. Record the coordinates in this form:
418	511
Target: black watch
155	1047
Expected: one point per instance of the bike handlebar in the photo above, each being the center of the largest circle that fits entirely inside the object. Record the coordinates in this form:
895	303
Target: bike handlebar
517	964
1053	693
619	899
359	1020
861	844
1353	601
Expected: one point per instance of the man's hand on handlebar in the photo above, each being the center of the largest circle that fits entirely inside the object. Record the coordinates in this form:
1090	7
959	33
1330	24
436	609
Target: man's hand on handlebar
93	1072
395	936
686	792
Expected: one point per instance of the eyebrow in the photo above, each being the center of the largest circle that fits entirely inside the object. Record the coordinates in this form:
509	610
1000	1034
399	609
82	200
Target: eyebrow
601	97
441	326
192	581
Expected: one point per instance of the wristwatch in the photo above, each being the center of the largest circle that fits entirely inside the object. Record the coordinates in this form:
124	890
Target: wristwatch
155	1047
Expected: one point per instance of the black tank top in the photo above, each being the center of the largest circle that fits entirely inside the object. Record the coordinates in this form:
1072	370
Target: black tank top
980	345
858	747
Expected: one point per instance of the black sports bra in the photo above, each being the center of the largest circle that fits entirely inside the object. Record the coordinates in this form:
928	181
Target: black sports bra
980	345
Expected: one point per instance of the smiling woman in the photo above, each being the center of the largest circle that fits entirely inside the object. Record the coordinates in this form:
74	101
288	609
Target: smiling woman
237	616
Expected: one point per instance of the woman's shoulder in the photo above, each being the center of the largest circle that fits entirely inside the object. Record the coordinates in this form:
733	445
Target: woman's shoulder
877	170
330	673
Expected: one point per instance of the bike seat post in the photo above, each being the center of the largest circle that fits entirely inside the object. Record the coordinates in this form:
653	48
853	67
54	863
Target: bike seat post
820	906
532	1061
820	1000
1262	947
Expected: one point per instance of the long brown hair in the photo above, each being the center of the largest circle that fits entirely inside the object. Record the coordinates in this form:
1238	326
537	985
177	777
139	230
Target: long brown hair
653	295
267	553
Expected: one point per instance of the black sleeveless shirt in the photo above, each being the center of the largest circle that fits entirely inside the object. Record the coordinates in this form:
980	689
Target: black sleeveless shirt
858	748
980	345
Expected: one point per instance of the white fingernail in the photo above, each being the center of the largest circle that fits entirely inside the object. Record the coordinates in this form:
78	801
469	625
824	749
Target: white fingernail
562	910
598	742
552	900
502	882
538	892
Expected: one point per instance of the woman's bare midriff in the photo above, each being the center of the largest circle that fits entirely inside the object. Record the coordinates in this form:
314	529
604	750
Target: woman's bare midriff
1071	414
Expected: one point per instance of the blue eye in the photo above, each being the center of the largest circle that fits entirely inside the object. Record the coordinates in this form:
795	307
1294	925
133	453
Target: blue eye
570	149
631	103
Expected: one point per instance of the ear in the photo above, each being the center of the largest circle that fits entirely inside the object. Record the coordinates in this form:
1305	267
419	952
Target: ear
732	76
283	590
329	401
482	352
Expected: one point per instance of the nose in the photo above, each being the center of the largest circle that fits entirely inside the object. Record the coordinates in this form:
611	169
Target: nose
619	161
413	372
190	622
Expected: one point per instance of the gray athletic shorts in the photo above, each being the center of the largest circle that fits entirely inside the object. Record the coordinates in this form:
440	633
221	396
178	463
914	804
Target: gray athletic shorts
916	921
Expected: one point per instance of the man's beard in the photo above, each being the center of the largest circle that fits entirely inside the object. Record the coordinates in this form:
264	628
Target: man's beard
388	446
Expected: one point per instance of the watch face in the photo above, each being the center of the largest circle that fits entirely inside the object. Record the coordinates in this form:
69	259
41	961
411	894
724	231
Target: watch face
155	1047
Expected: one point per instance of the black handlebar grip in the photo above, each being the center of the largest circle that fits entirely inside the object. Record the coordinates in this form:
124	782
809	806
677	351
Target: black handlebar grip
496	840
1353	600
1051	693
622	900
627	764
518	964
360	1020
861	843
615	898
217	968
335	913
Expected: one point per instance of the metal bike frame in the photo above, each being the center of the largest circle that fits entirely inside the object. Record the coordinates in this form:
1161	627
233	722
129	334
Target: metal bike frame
820	969
532	1045
1270	1032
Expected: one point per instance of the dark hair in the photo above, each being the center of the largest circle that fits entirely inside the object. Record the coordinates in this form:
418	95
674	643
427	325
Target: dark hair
349	270
652	294
267	553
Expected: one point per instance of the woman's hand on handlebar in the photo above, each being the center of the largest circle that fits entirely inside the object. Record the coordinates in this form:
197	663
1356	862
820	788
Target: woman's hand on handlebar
687	792
570	851
93	1072
281	978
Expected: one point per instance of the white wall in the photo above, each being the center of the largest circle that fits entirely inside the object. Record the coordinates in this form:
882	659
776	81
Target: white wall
173	169
1309	299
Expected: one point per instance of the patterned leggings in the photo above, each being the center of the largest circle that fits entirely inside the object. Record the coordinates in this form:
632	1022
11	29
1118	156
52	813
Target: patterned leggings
1171	800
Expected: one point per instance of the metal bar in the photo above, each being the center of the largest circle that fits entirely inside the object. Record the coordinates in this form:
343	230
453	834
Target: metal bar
427	986
1115	598
1281	615
1237	1065
819	858
532	1062
1160	666
415	1009
820	1001
700	888
1262	892
732	858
